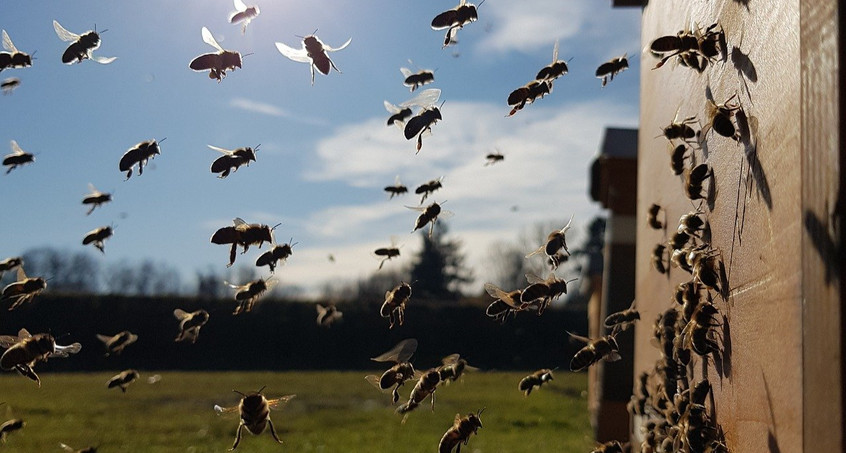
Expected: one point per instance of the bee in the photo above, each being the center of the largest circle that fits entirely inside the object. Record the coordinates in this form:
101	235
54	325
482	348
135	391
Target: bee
118	342
493	158
10	426
243	13
555	241
692	223
612	446
428	188
660	259
249	293
394	305
414	80
695	334
453	367
602	348
25	350
606	71
421	123
680	130
455	19
95	198
527	94
398	114
139	154
460	432
279	253
536	379
190	324
17	158
216	63
427	384
506	303
719	118
232	159
9	84
707	269
68	448
553	70
327	315
693	180
9	264
244	234
23	290
428	214
621	320
14	58
314	52
545	290
677	158
396	375
398	188
123	379
82	47
388	252
678	240
652	217
254	410
97	237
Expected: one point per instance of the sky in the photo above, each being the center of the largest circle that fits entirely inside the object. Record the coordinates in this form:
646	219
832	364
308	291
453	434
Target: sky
325	151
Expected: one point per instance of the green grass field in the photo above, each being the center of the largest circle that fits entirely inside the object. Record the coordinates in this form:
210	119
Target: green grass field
333	412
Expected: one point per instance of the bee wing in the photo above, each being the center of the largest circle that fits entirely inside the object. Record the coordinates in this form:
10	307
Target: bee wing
234	286
209	39
64	351
104	338
23	334
15	148
612	356
65	447
238	221
424	99
228	152
22	277
63	34
391	108
271	283
279	403
102	60
445	214
7	43
7	341
334	49
239	5
181	314
401	352
298	55
532	278
535	252
93	190
417	208
570	222
579	338
406	72
555	52
225	410
450	359
375	382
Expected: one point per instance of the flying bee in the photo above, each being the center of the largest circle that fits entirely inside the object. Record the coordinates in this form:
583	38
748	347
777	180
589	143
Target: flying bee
719	118
555	241
422	123
606	71
455	19
429	214
394	305
117	343
555	69
426	385
244	234
398	114
249	293
14	58
10	426
397	189
398	374
652	217
9	264
123	379
82	47
97	237
621	320
139	154
694	179
387	252
243	13
680	130
216	63
254	410
602	348
527	94
460	432
545	290
23	290
677	157
453	367
25	350
279	253
314	52
695	334
190	324
660	258
506	303
536	379
428	188
415	80
232	159
95	198
9	84
493	158
327	315
17	158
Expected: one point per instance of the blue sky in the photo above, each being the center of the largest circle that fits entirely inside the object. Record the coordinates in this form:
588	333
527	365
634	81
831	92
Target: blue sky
325	151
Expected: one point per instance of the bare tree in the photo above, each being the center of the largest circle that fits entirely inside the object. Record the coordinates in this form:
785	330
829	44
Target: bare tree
66	271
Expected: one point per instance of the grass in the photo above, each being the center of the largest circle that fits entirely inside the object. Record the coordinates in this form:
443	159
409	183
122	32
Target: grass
333	412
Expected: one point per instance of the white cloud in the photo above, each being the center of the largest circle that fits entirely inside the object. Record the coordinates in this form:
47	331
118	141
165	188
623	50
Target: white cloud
264	108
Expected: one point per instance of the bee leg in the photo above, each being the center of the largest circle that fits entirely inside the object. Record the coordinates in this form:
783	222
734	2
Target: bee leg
273	431
433	401
232	251
237	437
395	394
311	68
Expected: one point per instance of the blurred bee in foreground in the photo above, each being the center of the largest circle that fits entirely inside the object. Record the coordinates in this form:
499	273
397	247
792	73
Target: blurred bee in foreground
23	290
10	426
428	188
555	241
460	432
123	379
68	448
95	198
506	303
82	46
429	214
453	368
190	324
9	264
426	385
243	13
543	290
97	237
396	375
314	52
455	19
398	188
249	293
536	379
254	410
118	342
277	254
415	80
606	71
328	315
9	84
216	63
17	158
621	320
25	350
244	234
602	348
394	305
232	159
14	58
139	154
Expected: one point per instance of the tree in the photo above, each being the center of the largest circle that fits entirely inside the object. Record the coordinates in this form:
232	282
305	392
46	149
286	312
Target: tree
66	271
438	270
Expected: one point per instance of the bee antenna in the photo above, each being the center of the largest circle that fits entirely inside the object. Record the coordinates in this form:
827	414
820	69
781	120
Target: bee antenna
162	139
256	148
274	226
236	391
247	54
261	389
